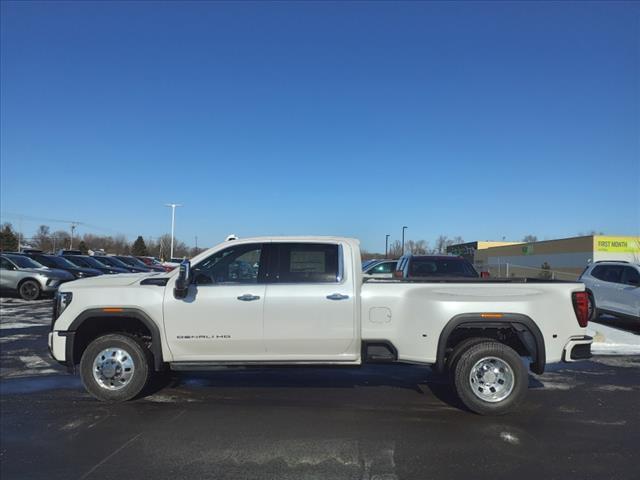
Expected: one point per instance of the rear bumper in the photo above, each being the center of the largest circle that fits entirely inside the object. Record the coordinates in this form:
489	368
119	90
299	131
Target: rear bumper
577	348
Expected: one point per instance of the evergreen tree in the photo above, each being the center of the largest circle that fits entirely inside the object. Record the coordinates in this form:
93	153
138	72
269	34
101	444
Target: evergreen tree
8	239
139	248
83	248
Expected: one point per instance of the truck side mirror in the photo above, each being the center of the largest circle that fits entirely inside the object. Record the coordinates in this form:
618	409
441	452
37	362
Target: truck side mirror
184	279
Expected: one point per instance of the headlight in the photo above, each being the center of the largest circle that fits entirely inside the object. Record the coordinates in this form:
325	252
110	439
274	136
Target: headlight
79	274
63	299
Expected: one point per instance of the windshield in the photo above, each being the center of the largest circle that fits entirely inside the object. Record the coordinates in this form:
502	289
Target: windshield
441	267
134	262
78	261
59	261
24	262
111	262
89	262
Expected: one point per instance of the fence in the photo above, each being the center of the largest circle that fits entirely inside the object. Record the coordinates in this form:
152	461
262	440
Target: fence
510	270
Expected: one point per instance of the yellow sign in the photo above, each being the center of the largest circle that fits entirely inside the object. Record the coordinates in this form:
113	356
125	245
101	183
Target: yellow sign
616	244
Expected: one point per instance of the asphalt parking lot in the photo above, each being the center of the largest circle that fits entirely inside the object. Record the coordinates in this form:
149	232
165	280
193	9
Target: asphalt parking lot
375	422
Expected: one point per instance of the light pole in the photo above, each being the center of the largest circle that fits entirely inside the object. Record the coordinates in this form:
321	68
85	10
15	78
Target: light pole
386	245
73	228
403	229
173	222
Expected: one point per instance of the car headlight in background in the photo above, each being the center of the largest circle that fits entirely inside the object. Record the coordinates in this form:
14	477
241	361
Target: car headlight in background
79	274
63	299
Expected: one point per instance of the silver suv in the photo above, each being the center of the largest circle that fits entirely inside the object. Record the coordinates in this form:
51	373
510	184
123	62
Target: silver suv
614	288
28	277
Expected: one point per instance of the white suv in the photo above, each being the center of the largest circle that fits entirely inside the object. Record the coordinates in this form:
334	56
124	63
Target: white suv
614	288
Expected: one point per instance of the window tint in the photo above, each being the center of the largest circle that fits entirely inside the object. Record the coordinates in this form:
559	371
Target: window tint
5	264
630	276
307	263
237	264
436	267
608	273
384	267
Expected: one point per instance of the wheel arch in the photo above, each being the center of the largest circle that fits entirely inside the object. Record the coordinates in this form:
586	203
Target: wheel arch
524	327
97	314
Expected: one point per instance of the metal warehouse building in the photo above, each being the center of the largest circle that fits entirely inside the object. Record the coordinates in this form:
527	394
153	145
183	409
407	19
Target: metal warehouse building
564	258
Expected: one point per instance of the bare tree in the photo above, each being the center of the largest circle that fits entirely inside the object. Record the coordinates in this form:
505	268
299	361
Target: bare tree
530	238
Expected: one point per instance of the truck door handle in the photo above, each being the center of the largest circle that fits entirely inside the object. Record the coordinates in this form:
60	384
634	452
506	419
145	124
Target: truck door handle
247	297
337	296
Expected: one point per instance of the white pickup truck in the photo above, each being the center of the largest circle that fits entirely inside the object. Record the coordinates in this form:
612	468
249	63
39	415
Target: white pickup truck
303	301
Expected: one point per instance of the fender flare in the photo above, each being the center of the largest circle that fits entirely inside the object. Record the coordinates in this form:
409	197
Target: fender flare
156	339
526	329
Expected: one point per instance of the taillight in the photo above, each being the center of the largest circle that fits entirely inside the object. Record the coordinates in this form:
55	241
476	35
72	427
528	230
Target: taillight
581	307
398	274
485	274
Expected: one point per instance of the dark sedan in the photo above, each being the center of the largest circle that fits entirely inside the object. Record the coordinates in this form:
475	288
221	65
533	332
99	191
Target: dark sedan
112	261
137	263
86	261
61	263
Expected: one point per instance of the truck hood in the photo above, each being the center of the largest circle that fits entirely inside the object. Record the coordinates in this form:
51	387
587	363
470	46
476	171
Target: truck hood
118	280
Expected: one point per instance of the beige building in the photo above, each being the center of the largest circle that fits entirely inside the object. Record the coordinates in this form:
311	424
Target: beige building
468	250
564	258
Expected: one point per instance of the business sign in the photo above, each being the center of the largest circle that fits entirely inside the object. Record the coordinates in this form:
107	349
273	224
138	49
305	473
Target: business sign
616	244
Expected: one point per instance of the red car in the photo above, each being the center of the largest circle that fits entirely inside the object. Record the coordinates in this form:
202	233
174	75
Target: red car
152	262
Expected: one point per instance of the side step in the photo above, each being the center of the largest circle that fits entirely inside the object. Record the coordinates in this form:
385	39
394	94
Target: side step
379	351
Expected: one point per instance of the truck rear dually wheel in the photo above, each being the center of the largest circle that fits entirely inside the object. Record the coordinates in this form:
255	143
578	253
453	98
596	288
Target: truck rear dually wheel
115	367
490	378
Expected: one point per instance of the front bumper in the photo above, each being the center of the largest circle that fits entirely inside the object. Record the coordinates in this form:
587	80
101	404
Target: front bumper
61	347
577	348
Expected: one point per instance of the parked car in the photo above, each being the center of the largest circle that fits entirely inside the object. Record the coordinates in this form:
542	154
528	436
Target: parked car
112	261
55	261
154	262
427	266
381	269
134	262
307	305
368	263
29	278
614	288
87	261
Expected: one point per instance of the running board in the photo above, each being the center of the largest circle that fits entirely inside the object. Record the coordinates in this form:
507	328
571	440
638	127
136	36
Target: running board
203	366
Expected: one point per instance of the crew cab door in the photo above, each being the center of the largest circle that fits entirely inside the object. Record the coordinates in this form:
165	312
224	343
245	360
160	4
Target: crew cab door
309	311
221	316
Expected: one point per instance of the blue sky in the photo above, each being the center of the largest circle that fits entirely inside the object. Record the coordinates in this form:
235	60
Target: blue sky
483	120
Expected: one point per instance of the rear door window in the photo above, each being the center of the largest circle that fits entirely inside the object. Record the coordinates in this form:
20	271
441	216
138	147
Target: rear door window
306	263
608	273
441	268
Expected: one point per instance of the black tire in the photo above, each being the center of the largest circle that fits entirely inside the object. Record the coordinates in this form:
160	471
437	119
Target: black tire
136	352
459	349
29	290
475	354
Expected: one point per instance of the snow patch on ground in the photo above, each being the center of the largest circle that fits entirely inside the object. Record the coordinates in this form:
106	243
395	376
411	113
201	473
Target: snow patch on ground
612	341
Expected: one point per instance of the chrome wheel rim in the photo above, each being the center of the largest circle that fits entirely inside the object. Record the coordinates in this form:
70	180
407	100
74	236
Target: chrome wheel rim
29	291
491	379
113	368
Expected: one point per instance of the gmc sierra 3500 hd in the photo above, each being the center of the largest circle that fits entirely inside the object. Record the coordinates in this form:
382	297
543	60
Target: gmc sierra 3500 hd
303	301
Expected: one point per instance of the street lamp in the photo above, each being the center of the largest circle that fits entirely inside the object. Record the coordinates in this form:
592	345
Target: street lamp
173	221
403	229
386	245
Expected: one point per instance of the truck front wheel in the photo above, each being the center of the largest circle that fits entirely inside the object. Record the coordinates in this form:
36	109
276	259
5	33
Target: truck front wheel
115	367
490	378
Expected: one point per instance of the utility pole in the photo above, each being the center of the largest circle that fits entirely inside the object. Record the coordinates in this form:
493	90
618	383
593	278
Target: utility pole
386	245
403	229
173	221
